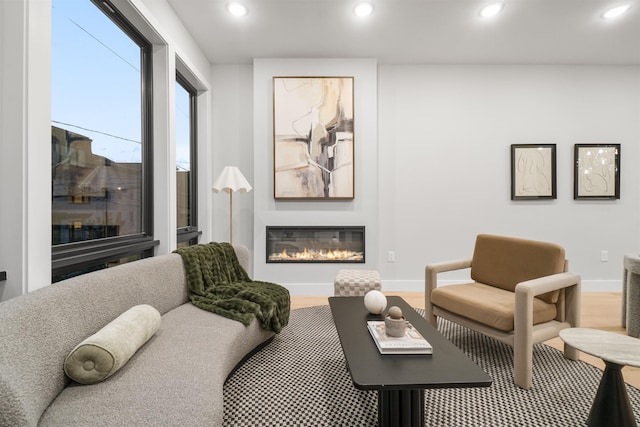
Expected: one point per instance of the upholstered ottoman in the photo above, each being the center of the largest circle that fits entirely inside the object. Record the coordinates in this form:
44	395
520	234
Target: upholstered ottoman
356	282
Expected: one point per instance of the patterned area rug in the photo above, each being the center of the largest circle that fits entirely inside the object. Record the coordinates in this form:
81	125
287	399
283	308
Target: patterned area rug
300	379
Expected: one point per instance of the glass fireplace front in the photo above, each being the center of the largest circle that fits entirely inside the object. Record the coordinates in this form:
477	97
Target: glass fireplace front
315	244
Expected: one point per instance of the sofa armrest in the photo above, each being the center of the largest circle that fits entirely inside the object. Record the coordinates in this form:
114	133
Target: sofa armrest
431	281
242	252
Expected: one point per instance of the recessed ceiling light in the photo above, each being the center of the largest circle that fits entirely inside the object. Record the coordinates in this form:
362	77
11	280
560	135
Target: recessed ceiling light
363	9
237	9
491	10
614	12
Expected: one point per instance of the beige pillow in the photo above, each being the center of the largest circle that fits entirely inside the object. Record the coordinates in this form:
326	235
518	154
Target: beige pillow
103	353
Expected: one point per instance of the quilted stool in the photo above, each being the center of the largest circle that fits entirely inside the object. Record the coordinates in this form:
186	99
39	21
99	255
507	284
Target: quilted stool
353	283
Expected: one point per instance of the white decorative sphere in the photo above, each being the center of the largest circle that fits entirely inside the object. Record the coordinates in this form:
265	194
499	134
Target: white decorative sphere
375	301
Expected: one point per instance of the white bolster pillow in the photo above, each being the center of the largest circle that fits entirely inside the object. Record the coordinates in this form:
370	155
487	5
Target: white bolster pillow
103	353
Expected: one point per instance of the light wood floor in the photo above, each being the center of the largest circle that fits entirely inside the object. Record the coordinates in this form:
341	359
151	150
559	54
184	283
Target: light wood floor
600	310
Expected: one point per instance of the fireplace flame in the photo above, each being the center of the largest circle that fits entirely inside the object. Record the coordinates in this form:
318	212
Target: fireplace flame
317	255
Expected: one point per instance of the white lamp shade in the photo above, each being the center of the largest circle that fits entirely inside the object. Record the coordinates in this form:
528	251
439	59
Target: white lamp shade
231	179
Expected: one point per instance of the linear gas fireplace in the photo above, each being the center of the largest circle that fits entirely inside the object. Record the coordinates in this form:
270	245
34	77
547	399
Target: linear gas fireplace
315	244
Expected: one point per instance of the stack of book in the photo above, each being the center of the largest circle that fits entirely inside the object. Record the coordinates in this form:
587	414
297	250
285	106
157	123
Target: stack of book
411	343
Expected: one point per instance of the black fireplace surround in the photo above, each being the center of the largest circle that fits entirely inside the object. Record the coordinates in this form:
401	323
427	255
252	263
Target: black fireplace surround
324	244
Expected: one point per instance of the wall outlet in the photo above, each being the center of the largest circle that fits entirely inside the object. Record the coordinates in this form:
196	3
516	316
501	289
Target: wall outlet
391	256
604	256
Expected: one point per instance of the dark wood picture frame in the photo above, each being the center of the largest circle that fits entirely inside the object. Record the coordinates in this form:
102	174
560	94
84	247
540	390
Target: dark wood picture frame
533	171
597	171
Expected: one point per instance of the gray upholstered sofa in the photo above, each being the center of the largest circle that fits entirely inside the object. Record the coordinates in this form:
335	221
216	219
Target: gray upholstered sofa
176	378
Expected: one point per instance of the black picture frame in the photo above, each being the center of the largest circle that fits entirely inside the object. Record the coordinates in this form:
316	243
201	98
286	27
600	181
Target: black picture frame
597	171
533	171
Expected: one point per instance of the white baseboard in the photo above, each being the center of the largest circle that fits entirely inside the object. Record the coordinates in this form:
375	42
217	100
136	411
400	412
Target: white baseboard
602	285
322	289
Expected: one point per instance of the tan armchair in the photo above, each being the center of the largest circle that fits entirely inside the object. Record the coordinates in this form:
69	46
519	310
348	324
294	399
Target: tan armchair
520	294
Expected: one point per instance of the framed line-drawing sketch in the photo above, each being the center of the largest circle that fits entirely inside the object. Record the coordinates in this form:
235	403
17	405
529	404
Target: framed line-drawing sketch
533	171
313	141
597	171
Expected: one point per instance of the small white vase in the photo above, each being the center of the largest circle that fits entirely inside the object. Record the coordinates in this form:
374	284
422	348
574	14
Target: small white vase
395	327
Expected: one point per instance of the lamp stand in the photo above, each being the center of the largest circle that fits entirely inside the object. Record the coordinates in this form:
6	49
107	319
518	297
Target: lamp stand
231	217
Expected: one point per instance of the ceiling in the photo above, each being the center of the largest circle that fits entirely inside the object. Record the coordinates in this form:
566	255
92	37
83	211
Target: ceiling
416	31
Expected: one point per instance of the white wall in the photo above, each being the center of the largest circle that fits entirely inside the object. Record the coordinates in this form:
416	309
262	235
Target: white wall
25	181
232	95
301	278
445	135
13	287
433	164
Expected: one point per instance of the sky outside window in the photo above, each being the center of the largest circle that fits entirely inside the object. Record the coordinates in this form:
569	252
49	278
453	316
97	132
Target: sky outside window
183	129
96	80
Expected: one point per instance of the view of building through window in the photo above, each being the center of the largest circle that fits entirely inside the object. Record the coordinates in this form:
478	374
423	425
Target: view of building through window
93	196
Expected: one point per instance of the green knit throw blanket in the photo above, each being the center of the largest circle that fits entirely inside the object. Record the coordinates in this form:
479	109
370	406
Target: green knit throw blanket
217	282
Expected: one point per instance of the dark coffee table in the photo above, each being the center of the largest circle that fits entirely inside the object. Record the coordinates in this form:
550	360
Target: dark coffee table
400	378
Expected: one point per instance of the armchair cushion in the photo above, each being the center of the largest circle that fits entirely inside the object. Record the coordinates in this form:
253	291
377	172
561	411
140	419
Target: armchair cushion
488	305
503	262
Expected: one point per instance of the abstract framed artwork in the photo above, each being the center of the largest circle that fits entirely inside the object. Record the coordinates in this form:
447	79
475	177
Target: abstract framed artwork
313	138
597	171
533	171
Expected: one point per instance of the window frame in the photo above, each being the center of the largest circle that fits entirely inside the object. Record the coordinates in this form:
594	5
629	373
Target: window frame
69	257
191	233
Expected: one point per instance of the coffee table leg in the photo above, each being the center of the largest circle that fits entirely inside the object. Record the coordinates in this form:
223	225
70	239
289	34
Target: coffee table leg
611	407
401	408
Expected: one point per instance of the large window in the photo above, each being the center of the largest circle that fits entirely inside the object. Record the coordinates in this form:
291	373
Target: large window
186	145
101	138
